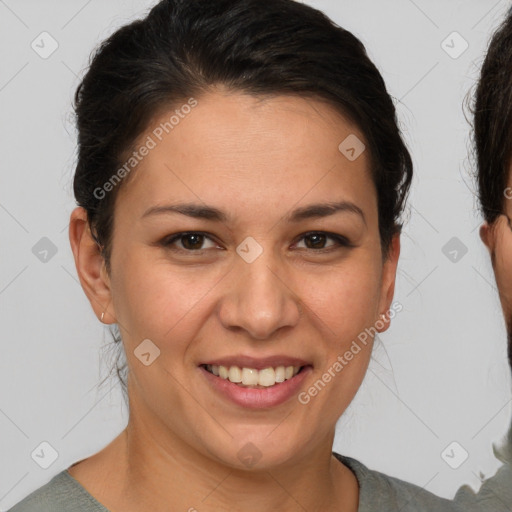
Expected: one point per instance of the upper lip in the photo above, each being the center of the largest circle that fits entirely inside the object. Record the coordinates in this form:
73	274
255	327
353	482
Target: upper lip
258	363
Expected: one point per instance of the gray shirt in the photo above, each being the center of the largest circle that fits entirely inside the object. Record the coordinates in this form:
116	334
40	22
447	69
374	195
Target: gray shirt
495	494
377	493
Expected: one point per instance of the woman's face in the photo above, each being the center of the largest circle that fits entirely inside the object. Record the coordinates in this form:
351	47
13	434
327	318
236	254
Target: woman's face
267	281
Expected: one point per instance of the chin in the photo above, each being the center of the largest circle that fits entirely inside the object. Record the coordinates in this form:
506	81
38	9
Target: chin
261	451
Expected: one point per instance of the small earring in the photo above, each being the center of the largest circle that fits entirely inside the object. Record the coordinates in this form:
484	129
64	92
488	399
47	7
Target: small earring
103	314
383	316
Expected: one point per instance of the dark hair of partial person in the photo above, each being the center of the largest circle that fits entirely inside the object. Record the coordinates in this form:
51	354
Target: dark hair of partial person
492	122
184	48
492	129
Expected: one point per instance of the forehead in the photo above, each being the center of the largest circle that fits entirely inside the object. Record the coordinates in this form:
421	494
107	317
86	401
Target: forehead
252	151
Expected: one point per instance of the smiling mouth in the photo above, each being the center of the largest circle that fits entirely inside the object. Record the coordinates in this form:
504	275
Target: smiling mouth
253	378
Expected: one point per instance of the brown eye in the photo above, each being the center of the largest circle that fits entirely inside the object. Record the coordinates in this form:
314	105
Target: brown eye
192	241
317	240
189	242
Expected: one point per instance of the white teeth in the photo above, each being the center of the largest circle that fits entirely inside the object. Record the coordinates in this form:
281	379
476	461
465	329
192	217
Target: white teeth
252	377
249	376
280	374
235	374
267	377
223	372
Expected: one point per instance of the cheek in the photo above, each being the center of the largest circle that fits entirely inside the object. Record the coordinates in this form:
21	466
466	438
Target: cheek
156	301
346	298
343	305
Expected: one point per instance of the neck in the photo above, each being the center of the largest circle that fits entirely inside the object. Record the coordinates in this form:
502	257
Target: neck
159	469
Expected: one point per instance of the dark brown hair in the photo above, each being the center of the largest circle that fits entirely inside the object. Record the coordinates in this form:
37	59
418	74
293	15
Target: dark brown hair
492	122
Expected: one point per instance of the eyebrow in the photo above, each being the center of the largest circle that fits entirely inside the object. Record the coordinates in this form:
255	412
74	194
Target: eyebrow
312	211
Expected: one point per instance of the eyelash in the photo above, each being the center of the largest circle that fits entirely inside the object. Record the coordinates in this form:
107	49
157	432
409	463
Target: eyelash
341	241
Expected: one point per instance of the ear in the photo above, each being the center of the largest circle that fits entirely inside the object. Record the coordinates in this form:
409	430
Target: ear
388	283
90	266
487	235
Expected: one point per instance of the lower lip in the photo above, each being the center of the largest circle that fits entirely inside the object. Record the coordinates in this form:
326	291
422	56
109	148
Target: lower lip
257	398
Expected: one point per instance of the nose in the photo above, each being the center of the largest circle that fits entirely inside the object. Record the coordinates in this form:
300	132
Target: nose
260	301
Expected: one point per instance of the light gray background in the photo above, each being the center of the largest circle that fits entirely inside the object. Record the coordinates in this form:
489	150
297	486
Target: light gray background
440	373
